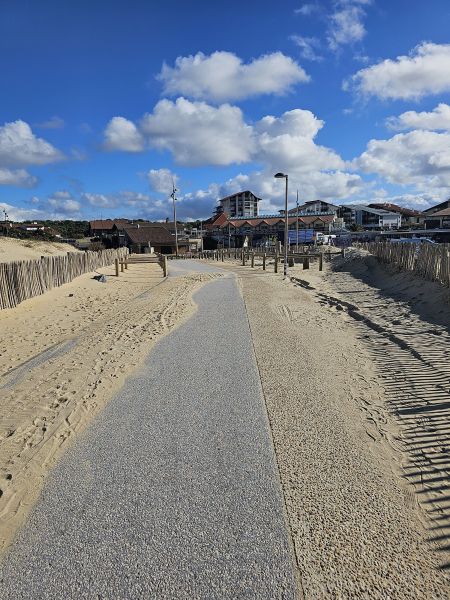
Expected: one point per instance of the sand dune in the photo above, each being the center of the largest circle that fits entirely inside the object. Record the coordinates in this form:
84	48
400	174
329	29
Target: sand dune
356	380
14	249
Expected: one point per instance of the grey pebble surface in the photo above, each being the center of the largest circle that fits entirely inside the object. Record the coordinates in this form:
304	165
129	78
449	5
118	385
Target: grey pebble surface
173	491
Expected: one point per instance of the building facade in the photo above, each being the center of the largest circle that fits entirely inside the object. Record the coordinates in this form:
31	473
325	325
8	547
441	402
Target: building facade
240	205
369	218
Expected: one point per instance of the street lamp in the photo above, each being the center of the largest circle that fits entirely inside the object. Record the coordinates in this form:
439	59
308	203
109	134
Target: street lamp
286	226
172	195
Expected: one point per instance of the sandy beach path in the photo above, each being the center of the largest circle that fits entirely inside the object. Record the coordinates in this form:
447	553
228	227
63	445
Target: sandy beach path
63	355
173	491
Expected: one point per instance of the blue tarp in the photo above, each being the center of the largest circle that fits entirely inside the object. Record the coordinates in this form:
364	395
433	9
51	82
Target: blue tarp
305	236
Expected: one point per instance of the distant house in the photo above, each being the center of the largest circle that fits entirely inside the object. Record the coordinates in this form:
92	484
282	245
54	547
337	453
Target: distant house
106	228
437	207
409	217
314	207
259	231
438	216
30	226
438	220
143	237
369	218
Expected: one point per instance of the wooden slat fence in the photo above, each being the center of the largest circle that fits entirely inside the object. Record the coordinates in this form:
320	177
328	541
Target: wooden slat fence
25	279
430	261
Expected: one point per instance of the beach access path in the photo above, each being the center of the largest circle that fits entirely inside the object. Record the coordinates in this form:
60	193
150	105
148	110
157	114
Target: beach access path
173	491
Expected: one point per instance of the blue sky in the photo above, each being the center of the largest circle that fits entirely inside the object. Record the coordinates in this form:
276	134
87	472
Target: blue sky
102	104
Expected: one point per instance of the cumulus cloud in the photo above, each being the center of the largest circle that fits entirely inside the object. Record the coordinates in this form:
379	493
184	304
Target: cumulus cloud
288	141
122	134
197	133
425	71
437	120
162	180
17	177
222	76
346	23
63	203
19	146
419	157
16	213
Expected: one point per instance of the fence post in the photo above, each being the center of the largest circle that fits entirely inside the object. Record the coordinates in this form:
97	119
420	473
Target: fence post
121	266
116	263
253	259
320	261
264	261
243	258
305	262
164	265
275	268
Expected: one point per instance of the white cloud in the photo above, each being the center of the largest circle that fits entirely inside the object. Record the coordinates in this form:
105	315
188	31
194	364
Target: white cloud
19	146
100	200
222	76
17	177
121	134
287	143
425	71
414	201
420	158
16	213
308	47
438	119
197	133
307	9
162	180
52	123
346	24
63	203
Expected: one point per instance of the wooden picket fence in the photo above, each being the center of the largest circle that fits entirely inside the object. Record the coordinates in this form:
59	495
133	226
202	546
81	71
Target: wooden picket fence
429	261
25	279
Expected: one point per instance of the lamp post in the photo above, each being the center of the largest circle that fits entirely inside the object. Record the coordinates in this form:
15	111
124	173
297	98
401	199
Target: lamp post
286	226
172	195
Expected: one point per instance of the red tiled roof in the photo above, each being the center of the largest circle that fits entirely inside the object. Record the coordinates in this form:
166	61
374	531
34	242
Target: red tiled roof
217	221
407	212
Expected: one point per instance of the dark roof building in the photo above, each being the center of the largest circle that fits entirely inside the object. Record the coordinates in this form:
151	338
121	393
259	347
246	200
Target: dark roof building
141	236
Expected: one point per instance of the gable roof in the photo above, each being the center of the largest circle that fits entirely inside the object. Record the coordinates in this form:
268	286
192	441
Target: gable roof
437	207
107	224
155	234
441	213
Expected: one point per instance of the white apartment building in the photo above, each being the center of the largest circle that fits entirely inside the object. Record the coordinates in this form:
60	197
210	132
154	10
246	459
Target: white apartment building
242	204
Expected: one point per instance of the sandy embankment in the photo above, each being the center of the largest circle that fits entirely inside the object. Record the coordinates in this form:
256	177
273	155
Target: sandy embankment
62	356
355	521
14	249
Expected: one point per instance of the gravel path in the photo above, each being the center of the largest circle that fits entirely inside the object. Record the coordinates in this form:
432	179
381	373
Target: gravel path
173	491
